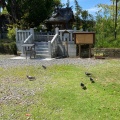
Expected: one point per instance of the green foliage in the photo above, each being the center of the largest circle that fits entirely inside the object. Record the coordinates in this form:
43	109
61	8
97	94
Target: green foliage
105	27
78	11
8	48
30	13
11	32
83	18
108	42
4	11
68	3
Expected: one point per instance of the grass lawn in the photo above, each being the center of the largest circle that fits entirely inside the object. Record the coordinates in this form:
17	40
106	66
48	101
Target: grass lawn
56	93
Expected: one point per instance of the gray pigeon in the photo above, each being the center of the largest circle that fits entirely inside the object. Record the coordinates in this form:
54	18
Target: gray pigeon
44	66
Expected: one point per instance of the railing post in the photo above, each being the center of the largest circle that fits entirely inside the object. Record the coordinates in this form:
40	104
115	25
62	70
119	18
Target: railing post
49	48
32	32
71	37
22	42
47	36
74	29
57	30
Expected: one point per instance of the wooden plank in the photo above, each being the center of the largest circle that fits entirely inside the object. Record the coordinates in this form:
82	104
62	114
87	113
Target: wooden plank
84	38
79	38
88	38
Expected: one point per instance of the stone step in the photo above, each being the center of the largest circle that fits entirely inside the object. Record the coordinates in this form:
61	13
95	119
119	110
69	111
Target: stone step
43	56
41	43
42	50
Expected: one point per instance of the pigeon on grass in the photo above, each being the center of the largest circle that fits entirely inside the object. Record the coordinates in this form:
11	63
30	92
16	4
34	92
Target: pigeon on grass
31	78
88	74
43	66
83	86
92	81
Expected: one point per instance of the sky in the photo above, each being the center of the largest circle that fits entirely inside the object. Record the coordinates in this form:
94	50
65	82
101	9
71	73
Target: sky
89	5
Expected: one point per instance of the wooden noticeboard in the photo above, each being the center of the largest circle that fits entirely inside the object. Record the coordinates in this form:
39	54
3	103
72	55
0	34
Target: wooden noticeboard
84	37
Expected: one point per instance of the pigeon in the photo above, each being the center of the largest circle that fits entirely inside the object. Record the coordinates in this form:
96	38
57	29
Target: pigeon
44	66
91	79
88	74
83	86
31	78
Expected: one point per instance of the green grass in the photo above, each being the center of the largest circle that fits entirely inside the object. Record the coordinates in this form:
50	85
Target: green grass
56	93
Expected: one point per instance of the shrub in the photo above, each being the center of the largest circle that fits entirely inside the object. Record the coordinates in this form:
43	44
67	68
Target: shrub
13	48
11	32
8	48
1	48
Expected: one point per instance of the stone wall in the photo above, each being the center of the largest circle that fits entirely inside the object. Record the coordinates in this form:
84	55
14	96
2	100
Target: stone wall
67	49
107	52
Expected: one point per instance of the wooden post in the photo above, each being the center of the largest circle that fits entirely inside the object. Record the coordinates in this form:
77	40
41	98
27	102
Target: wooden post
79	50
89	51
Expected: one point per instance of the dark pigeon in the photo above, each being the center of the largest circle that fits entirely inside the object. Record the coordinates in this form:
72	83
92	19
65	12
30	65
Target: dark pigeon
92	81
88	74
83	86
31	78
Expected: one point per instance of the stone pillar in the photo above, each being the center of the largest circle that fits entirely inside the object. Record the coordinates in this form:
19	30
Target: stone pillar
61	36
71	36
49	47
56	30
74	29
47	36
32	32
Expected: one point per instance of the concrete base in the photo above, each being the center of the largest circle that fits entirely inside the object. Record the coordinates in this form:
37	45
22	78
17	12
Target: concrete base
71	50
67	49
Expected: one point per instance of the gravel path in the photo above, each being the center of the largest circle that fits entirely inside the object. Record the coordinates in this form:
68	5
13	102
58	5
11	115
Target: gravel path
7	62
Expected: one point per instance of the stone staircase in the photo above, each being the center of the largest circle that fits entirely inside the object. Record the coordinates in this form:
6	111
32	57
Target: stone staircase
42	50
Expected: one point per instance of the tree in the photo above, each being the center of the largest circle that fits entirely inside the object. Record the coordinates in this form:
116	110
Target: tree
113	11
78	11
87	21
2	3
68	3
116	14
30	13
108	24
83	19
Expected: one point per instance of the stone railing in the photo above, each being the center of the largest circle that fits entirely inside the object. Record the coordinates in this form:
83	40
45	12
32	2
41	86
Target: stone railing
24	36
53	46
107	52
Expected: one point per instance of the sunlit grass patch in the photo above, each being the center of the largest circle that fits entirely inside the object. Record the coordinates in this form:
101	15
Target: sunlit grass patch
56	93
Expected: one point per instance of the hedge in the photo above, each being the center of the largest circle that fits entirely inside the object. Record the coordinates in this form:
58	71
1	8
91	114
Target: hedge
8	48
